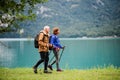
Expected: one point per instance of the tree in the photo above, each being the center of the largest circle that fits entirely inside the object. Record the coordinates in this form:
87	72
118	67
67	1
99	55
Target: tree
14	11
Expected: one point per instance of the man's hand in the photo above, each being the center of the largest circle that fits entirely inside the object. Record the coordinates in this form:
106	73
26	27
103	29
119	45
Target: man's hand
49	45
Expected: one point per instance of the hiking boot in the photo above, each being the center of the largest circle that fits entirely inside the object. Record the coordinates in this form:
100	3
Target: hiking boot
59	70
35	70
46	71
50	67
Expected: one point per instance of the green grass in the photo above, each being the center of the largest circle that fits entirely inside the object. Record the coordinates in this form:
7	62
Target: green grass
109	73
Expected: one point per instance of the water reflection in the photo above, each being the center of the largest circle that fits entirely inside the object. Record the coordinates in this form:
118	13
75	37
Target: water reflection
6	55
79	53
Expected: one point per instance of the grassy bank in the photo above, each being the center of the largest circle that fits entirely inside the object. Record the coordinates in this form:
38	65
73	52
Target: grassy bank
109	73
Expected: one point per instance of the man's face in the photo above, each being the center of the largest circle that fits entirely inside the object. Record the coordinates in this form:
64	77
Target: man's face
48	30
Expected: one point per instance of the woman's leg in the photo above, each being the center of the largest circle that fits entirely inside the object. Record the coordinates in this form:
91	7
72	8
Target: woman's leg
56	54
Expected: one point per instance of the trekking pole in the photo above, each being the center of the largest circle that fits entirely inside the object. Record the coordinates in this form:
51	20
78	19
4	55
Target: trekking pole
60	56
61	53
51	59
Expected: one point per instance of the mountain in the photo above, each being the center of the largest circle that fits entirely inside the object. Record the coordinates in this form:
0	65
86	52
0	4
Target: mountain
76	18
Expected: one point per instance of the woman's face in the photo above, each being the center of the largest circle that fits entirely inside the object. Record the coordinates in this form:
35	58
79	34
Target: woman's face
58	32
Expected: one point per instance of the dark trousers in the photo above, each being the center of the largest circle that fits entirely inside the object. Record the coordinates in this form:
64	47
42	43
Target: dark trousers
56	54
44	58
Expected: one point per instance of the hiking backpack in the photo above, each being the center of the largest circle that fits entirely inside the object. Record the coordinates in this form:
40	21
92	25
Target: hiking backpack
36	41
36	45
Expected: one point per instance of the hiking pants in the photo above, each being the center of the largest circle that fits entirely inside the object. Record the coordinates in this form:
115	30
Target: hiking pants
44	58
56	54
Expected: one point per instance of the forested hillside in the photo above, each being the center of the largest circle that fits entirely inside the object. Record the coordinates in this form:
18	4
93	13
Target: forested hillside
76	18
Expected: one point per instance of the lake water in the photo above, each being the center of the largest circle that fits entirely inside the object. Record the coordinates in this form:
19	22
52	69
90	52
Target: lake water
78	54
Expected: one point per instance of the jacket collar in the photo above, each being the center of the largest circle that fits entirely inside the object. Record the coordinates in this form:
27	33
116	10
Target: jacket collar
44	32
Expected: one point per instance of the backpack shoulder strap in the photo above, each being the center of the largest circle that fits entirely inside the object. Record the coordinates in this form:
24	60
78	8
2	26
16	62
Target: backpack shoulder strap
43	35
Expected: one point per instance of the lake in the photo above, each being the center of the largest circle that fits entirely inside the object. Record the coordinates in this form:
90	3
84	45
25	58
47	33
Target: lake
78	54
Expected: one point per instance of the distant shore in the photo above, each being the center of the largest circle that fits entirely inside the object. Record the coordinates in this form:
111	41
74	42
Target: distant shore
79	38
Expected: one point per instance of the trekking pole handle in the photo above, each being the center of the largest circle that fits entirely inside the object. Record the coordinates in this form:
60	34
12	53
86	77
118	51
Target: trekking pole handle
63	47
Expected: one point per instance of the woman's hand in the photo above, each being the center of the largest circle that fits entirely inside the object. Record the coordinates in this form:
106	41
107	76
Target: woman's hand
57	49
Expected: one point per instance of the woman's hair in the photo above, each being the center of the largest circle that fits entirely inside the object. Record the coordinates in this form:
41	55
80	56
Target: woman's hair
55	30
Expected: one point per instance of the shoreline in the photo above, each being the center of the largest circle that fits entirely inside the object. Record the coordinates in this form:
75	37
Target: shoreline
83	38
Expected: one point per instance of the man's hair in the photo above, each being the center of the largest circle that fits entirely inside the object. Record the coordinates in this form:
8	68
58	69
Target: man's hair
46	27
55	30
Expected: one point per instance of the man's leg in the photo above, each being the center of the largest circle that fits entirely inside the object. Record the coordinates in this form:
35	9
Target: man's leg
46	63
39	62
